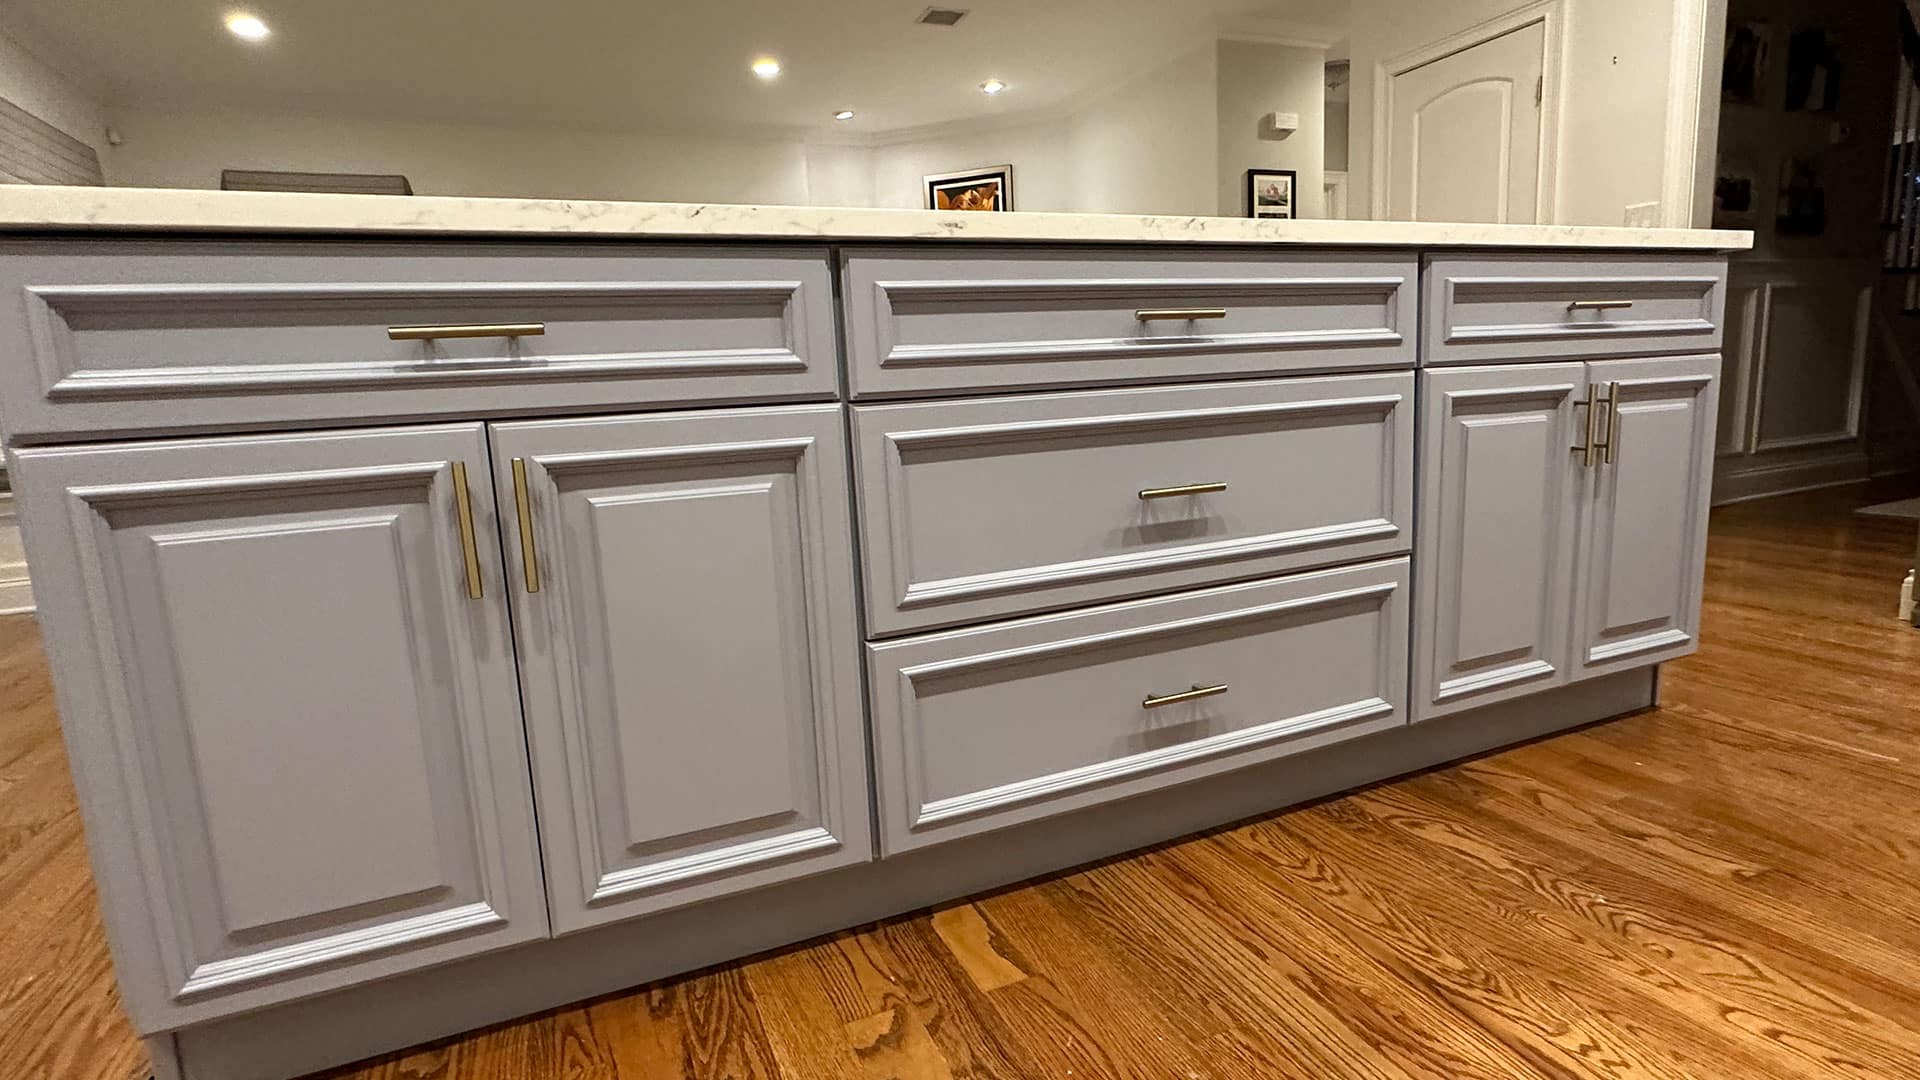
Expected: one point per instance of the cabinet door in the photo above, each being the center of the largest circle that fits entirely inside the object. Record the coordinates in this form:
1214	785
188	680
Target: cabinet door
1494	532
1644	516
688	651
296	732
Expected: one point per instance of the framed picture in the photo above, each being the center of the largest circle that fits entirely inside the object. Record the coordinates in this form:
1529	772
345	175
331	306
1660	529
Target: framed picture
1270	193
1736	191
1813	71
1743	73
990	188
1801	209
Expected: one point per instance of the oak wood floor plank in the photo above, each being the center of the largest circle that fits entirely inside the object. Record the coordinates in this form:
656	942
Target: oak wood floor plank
1523	1002
1730	999
1366	1017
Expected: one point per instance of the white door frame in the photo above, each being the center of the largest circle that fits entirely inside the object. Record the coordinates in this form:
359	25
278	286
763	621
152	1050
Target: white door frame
1696	44
1334	183
1551	14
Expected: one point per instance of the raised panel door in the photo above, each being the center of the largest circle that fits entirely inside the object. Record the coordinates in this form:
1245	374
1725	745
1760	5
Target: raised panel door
1495	542
684	604
296	729
1644	515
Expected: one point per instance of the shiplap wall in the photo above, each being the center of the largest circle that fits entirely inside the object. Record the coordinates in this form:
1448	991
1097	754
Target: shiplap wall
33	151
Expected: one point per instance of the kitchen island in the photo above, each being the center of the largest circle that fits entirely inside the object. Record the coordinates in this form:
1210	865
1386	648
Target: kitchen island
462	607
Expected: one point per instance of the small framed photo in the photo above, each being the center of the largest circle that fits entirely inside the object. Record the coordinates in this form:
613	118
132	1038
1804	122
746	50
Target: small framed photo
989	189
1270	193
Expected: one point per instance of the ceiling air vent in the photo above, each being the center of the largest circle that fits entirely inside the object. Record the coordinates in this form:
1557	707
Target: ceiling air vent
938	16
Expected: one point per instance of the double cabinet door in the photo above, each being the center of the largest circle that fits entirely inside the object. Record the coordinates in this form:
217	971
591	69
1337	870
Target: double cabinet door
291	691
1561	523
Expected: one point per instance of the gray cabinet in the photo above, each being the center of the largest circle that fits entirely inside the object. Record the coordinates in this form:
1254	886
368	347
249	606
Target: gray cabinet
935	321
1543	562
1488	309
683	596
1644	544
1495	543
295	727
125	337
1124	492
990	726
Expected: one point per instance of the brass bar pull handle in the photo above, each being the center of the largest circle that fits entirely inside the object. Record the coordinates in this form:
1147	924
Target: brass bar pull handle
428	333
1589	451
1183	489
1195	694
463	505
1612	445
529	559
1179	314
1598	305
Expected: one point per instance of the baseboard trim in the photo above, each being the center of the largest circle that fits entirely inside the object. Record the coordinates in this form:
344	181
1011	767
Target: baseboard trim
1737	485
408	1010
16	597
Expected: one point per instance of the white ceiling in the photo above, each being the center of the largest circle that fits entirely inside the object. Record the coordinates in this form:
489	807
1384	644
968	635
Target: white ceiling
638	64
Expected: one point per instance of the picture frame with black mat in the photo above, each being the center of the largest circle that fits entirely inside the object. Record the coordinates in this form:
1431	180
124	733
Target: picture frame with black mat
989	189
1272	194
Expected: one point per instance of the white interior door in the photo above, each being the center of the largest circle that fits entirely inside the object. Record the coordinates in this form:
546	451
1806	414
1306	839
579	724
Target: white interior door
1464	133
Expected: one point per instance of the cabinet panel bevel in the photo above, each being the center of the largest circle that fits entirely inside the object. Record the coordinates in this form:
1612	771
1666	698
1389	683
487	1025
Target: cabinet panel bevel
1496	539
298	740
1644	520
688	661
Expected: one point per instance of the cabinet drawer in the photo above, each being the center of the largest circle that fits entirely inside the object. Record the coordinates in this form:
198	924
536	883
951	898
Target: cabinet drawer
931	323
133	337
991	507
1491	307
988	727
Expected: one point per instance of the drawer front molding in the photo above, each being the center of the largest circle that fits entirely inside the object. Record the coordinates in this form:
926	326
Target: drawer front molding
1361	510
1263	639
133	338
1495	309
51	311
935	326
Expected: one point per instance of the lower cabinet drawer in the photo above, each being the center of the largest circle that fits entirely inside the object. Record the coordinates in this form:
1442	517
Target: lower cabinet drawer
983	728
992	507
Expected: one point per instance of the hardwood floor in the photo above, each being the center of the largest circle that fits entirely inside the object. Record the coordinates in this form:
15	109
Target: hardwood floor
1726	886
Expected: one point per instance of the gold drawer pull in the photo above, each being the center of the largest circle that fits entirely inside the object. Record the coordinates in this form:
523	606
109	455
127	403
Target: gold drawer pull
1590	451
1183	489
469	549
1598	305
1195	694
529	559
1179	313
428	333
1612	444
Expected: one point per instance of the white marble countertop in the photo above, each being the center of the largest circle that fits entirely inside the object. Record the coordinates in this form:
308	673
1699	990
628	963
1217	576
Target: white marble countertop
26	208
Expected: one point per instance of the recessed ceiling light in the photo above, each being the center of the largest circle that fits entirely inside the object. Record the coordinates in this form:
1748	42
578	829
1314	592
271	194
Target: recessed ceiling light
992	86
247	27
843	114
766	67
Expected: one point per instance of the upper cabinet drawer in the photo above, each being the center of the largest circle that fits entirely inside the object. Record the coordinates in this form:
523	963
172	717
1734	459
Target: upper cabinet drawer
1488	308
937	322
991	507
128	337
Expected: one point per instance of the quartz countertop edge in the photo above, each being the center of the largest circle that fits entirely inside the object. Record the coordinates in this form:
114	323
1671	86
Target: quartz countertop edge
29	209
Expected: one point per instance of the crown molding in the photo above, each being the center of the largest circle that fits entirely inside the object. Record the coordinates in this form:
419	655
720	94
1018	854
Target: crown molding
1305	35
